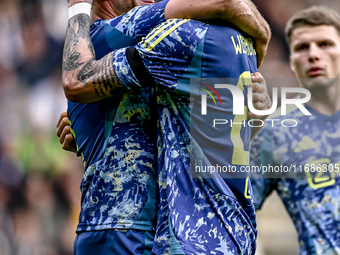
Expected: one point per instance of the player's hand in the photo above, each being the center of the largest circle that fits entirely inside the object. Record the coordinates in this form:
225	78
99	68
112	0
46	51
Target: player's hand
66	138
261	99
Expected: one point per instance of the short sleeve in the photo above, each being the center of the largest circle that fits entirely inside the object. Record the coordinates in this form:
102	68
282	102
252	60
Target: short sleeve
167	53
126	30
140	21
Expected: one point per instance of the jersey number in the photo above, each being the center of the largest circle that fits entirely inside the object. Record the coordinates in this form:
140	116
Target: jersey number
240	156
323	178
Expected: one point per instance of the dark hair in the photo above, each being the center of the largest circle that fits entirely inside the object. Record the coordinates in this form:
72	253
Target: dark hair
313	16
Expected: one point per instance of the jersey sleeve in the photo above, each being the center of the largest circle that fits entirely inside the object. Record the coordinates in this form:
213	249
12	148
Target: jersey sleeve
167	54
126	30
140	21
261	157
136	23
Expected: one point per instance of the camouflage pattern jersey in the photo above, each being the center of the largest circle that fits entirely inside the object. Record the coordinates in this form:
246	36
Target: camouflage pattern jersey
115	139
310	190
202	213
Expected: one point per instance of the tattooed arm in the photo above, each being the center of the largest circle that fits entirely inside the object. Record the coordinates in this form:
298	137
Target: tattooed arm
86	79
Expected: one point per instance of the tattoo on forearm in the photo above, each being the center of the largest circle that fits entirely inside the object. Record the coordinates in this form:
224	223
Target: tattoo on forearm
98	74
78	28
86	72
101	75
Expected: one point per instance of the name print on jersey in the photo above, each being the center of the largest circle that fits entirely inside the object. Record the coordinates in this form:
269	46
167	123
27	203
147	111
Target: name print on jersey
243	45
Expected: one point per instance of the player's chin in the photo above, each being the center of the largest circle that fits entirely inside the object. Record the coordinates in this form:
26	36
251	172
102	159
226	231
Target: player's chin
144	2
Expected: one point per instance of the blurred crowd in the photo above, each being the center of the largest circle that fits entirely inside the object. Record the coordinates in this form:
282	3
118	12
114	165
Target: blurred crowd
39	182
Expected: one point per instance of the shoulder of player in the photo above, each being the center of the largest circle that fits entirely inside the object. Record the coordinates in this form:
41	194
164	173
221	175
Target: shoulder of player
138	21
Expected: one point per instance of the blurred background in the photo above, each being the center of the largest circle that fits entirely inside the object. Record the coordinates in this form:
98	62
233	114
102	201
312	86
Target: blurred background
39	182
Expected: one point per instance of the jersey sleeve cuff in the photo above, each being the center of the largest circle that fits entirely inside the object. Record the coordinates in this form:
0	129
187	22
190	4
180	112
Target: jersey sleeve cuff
124	71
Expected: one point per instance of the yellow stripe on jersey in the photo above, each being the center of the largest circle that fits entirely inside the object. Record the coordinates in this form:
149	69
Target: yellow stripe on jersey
158	30
309	142
240	156
74	135
166	34
72	131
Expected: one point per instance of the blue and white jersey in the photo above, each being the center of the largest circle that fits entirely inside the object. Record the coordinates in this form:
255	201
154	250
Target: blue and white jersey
203	213
115	140
310	190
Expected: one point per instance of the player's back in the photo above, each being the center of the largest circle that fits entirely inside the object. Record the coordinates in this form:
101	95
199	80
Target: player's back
184	56
189	58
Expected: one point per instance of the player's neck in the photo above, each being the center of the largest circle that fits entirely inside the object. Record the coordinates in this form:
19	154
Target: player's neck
326	102
103	10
